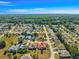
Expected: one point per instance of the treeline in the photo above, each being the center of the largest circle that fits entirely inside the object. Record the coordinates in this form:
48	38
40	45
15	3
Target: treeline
40	19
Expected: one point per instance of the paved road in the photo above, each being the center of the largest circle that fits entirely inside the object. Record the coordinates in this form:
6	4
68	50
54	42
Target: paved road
1	36
49	43
12	28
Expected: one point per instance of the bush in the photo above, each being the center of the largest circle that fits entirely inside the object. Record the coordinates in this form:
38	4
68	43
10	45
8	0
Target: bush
15	57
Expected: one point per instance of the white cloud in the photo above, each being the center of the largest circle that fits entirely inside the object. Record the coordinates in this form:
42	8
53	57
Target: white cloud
10	5
5	3
39	9
25	11
17	11
42	11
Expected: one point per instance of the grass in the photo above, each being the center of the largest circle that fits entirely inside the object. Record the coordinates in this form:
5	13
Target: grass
38	55
56	56
13	39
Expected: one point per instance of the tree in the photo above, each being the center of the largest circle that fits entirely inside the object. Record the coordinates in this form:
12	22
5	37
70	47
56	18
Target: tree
15	57
2	44
9	27
35	34
5	52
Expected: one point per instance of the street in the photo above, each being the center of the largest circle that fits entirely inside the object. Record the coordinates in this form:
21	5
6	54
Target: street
49	43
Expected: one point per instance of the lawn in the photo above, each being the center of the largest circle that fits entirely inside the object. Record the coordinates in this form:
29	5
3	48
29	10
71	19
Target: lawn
9	40
37	54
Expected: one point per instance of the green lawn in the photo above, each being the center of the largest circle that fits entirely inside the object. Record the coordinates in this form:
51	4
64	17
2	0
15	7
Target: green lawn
13	39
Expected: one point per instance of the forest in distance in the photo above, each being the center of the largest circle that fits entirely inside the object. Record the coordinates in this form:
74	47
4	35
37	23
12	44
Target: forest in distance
41	18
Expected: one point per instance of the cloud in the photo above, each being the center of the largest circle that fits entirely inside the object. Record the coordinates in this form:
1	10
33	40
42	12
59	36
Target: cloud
10	5
5	3
42	11
17	11
25	11
39	9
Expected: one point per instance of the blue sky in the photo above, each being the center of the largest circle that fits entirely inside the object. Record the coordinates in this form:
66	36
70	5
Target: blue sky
39	6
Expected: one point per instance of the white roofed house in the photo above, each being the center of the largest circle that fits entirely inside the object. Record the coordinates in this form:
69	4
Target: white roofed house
64	54
28	37
13	48
18	48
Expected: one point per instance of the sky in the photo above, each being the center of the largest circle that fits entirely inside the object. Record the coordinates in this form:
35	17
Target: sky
39	6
